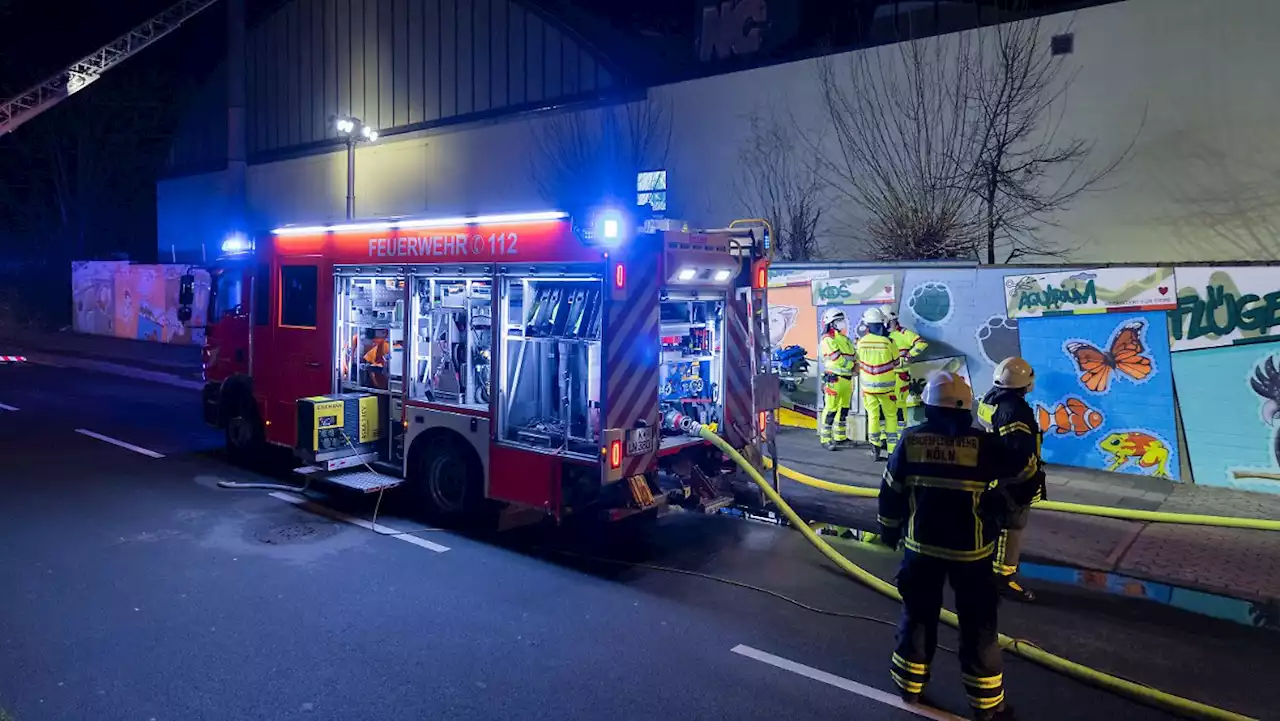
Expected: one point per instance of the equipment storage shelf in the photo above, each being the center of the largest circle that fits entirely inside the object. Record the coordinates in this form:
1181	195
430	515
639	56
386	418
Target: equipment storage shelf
551	376
371	333
452	340
691	334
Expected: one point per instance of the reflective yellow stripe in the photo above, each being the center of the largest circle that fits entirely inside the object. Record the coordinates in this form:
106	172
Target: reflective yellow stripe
1027	471
892	483
910	667
911	515
905	685
889	522
982	704
947	553
951	484
1014	427
983	682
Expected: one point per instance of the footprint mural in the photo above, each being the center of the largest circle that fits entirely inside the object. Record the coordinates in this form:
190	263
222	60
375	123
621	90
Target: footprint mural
998	339
931	303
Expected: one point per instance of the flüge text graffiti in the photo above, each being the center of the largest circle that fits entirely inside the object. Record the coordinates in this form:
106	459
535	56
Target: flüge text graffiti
1248	312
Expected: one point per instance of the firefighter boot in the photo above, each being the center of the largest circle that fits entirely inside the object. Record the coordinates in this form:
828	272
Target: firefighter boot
917	699
1012	590
1004	713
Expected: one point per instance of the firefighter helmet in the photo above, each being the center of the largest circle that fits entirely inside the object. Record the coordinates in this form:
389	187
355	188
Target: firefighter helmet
1015	373
873	315
832	315
948	390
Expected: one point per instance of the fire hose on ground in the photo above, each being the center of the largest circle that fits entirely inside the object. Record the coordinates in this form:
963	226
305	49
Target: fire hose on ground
1191	519
1138	692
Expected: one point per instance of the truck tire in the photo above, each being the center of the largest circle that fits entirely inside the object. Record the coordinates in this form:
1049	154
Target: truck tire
449	485
244	434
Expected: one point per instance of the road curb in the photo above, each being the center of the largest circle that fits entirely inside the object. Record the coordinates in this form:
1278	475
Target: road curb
53	359
1225	604
1256	614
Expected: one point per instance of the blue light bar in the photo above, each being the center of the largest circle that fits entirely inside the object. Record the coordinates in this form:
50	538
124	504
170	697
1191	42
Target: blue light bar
407	223
236	243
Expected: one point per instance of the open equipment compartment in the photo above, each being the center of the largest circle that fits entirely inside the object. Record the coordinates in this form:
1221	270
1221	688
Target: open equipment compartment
452	339
370	345
550	374
691	373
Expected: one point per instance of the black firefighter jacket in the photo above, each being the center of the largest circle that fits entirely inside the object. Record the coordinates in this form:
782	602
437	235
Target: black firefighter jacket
934	491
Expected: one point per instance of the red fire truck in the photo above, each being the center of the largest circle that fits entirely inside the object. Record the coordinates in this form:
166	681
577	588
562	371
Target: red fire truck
507	359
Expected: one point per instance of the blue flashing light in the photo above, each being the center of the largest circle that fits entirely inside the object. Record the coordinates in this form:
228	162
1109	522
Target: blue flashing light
236	243
609	227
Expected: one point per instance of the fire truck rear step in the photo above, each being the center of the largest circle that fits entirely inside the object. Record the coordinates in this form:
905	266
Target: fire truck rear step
356	479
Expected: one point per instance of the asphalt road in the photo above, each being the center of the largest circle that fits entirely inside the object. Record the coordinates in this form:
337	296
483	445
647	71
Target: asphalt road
131	587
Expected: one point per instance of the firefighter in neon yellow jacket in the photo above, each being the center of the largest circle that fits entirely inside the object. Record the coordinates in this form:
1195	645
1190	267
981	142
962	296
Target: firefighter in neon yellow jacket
910	345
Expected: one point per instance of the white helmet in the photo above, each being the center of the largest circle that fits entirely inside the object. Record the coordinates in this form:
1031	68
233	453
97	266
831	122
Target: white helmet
948	390
890	317
1014	372
872	315
832	315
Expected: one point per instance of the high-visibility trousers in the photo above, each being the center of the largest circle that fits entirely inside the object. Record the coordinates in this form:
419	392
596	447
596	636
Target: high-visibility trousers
920	581
837	398
903	390
882	419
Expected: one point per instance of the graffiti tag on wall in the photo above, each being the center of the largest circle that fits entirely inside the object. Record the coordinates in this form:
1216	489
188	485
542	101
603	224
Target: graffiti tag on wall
853	290
1225	306
1090	291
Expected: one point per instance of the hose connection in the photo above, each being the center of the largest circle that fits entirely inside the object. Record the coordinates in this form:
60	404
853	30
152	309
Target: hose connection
677	421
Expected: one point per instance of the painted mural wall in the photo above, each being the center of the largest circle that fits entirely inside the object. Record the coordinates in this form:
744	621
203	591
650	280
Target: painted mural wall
1226	363
139	302
1156	371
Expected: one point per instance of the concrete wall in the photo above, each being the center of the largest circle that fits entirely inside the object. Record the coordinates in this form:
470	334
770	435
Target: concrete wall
1201	184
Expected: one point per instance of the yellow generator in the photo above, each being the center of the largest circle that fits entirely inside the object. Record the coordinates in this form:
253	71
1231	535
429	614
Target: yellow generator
340	426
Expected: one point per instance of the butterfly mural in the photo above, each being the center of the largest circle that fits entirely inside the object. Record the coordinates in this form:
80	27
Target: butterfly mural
1127	357
1103	395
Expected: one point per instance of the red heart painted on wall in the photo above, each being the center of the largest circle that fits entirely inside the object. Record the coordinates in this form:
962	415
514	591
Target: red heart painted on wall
888	289
1164	290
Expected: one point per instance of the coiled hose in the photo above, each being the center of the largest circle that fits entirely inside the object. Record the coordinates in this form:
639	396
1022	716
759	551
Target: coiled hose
1135	691
1190	519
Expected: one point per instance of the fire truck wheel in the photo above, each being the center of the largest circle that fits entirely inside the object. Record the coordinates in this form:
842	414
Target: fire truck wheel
449	482
244	435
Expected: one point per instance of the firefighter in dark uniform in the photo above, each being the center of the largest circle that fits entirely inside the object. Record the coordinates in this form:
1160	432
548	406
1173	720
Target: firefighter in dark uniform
931	500
1005	411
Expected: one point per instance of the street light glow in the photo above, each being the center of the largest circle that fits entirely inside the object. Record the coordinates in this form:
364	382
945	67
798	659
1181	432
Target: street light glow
355	129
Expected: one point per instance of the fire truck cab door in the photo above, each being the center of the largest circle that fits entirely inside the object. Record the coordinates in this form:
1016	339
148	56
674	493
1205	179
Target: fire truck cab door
302	344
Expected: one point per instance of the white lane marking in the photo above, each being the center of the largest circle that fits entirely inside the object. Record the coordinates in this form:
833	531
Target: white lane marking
121	444
888	699
376	527
7	407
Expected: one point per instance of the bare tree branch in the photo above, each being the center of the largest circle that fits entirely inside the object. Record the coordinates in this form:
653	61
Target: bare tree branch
1025	173
776	184
584	158
953	146
899	118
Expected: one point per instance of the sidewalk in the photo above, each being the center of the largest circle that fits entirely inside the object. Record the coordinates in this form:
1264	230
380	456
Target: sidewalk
1238	563
177	365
